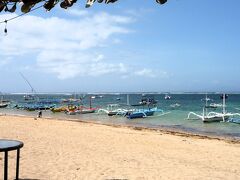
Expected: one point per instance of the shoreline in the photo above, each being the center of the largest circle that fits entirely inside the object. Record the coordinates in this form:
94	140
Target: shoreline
174	132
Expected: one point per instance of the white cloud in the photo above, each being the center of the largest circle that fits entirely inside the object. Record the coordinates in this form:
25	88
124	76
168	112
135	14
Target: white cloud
66	48
36	33
139	12
4	62
77	12
151	73
145	72
69	65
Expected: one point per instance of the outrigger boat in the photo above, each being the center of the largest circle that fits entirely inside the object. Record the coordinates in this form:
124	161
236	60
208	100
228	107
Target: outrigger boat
167	97
213	116
34	106
114	109
59	109
3	105
144	113
146	101
82	109
140	113
148	111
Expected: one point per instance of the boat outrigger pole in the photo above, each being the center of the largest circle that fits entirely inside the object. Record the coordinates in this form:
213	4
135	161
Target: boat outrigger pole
32	89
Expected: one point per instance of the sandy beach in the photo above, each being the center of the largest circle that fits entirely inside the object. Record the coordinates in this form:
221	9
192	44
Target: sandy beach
56	149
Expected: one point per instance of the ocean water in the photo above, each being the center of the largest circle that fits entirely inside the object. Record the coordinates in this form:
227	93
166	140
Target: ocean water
175	119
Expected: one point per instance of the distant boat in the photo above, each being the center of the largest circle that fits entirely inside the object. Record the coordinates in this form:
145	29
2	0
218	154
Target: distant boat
3	103
96	96
71	100
215	105
146	101
211	105
176	105
29	97
167	97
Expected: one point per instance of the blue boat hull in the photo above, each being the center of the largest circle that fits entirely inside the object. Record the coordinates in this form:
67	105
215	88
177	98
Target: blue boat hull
135	115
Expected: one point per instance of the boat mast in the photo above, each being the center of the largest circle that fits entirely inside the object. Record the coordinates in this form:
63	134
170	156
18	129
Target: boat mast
128	99
206	104
224	103
90	102
32	89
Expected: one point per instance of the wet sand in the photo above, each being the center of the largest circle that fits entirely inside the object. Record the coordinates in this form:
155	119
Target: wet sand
56	149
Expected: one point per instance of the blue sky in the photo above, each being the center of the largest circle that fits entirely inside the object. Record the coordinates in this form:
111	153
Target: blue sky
133	45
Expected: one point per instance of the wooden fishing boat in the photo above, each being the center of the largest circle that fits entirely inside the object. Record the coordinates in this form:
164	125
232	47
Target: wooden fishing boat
207	117
3	105
142	113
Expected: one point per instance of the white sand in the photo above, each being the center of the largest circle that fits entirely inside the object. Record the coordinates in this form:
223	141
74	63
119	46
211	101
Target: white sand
56	149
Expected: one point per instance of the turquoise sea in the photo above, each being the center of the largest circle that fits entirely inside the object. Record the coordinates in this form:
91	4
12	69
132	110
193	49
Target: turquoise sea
174	120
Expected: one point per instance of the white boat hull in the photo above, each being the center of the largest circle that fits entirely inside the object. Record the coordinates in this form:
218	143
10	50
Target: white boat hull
215	118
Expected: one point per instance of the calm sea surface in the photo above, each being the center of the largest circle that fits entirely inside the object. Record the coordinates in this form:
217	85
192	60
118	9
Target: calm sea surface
175	119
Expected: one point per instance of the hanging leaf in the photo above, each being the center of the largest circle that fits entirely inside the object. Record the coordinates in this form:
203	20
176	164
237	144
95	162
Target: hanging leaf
110	1
49	4
13	9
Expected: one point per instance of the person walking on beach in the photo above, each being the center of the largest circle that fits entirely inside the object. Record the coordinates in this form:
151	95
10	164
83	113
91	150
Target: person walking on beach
40	114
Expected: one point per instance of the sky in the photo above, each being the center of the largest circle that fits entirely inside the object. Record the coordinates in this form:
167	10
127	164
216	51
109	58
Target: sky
128	46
